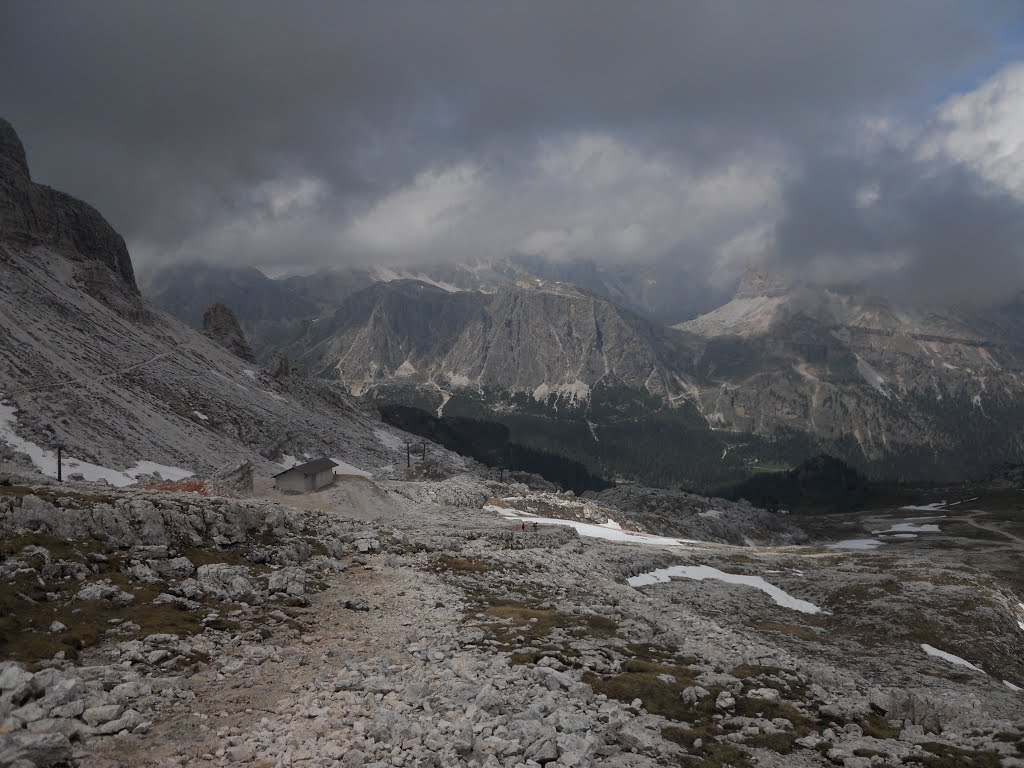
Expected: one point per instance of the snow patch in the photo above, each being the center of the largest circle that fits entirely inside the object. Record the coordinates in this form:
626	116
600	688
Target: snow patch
1012	687
250	373
46	460
202	416
933	651
714	513
344	468
856	544
609	531
702	572
911	528
933	507
288	461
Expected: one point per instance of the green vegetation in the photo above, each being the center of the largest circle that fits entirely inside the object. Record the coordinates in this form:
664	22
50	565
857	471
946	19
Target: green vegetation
943	756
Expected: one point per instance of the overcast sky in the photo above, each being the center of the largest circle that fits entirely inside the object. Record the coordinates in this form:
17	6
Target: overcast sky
878	140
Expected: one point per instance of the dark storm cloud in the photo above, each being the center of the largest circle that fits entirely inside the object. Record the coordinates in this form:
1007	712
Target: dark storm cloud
174	117
924	231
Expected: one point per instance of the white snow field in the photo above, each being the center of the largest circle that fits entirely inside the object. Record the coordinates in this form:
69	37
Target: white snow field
933	651
701	572
911	528
46	460
856	544
609	531
344	468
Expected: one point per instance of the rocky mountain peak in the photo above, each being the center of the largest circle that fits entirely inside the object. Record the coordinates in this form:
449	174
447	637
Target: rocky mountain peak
12	153
757	281
221	325
35	215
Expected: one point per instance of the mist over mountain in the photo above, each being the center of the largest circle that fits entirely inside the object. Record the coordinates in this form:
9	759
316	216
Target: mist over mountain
512	384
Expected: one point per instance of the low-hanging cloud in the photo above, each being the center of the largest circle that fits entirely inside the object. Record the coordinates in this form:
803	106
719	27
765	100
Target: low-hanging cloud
922	231
301	135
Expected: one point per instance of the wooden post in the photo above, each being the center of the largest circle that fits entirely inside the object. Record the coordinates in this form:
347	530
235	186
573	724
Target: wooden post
424	450
408	454
60	469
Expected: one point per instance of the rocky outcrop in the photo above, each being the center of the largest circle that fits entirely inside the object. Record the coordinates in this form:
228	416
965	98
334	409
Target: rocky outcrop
550	341
221	325
33	214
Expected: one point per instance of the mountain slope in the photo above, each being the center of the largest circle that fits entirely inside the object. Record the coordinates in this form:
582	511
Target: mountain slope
84	359
905	391
528	337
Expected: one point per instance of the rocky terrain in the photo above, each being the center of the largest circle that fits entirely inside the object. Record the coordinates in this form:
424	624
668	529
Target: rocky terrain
221	325
164	605
86	362
403	623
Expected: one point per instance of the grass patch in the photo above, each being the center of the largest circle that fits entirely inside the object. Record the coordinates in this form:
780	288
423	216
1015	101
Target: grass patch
52	496
944	756
462	565
647	681
782	742
801	633
878	728
712	753
59	549
661	653
745	671
515	619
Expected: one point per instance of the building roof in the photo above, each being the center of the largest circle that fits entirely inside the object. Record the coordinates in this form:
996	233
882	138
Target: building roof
310	467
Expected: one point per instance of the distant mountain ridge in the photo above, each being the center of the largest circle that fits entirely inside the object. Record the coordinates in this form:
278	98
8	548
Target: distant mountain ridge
775	374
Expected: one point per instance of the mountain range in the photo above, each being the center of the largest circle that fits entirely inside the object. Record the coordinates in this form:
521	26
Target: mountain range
590	362
763	379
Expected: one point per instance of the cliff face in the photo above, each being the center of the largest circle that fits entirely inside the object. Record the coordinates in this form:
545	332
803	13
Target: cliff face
221	325
35	215
537	338
84	359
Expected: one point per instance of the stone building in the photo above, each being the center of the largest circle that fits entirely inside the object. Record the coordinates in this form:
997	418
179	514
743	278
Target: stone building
311	476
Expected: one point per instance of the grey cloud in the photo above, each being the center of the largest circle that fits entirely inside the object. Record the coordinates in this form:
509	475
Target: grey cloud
920	231
168	115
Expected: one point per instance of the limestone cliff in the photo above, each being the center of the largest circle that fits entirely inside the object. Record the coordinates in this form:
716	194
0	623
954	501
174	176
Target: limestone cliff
33	214
221	325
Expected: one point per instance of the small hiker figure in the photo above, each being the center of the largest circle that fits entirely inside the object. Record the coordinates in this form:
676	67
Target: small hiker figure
535	525
524	525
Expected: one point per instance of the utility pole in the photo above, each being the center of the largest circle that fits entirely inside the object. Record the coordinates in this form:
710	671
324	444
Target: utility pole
60	469
408	454
424	450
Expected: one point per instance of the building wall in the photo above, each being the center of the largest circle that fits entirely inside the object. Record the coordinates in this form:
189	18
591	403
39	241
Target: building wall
323	478
297	482
291	481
